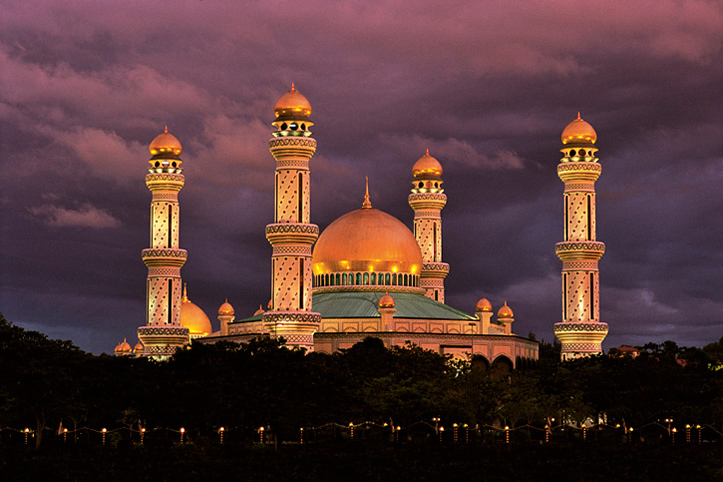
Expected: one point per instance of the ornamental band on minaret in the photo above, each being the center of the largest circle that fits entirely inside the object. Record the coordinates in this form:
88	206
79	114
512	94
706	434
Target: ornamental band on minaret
292	235
163	333
427	200
581	332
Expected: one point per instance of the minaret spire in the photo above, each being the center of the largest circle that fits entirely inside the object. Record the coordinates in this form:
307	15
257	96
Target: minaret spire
581	332
428	199
367	204
163	333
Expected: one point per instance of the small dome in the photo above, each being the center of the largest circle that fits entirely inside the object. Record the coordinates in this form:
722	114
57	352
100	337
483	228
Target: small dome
259	311
386	301
138	348
292	104
193	318
427	167
165	144
483	305
226	309
124	347
505	312
579	132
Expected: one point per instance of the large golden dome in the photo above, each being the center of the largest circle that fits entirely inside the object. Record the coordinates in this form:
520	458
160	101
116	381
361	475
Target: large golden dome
193	318
165	144
292	104
427	167
367	240
579	132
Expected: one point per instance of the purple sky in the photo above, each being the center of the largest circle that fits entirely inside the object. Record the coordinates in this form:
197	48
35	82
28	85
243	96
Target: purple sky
486	86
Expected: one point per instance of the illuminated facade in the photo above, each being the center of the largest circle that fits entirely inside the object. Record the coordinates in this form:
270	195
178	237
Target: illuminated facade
367	274
581	332
163	334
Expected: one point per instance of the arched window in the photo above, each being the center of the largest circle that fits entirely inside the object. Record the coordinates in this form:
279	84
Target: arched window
338	279
366	278
344	279
387	279
406	280
394	278
374	279
358	278
326	279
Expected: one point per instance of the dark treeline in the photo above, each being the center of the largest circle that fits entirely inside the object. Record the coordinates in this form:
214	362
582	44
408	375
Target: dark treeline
263	383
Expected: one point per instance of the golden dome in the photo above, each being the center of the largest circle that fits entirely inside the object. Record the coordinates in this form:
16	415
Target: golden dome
579	132
259	311
427	167
138	348
292	104
386	301
124	347
505	312
483	305
193	318
165	144
367	240
225	309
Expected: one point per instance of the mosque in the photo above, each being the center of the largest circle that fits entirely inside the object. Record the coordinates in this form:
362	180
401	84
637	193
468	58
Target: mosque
366	274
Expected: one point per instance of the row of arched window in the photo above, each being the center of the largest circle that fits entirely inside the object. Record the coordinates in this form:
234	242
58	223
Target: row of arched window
366	279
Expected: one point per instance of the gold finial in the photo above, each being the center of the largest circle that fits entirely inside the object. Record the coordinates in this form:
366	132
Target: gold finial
427	152
292	86
185	292
261	307
165	131
367	204
578	115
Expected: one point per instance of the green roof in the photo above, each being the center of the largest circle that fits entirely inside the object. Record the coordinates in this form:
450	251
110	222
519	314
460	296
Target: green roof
364	304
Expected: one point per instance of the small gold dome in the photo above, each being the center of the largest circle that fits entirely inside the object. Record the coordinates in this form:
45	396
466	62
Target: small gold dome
292	104
483	305
138	348
386	301
165	144
427	167
367	240
505	312
579	132
260	311
124	347
193	318
226	309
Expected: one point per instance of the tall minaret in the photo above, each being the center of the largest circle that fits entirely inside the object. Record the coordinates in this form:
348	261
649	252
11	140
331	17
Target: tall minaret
427	199
163	333
292	235
581	332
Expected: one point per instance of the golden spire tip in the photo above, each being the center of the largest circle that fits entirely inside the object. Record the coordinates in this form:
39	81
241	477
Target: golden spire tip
292	86
185	292
578	115
166	130
427	151
367	203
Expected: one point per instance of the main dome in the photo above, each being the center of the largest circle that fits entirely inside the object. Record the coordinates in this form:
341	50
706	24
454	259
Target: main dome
367	240
193	318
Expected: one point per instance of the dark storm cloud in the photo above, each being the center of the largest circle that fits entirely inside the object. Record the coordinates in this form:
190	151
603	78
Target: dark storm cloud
487	87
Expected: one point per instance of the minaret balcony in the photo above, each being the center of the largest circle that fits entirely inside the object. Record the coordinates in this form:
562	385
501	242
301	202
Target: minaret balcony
164	257
427	200
580	250
292	233
579	171
435	270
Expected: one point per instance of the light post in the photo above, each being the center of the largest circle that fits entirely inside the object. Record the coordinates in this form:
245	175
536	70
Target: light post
673	435
351	430
441	433
630	435
455	432
507	434
301	435
668	421
143	433
65	435
687	433
261	435
104	432
27	432
183	432
466	433
584	432
700	436
220	434
436	421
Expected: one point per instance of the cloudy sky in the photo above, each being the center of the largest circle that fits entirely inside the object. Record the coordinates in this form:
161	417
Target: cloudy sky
486	86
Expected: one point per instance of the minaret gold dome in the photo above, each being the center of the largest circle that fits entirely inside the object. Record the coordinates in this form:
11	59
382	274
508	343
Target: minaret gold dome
483	305
505	312
165	143
226	309
579	132
386	301
427	167
292	104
